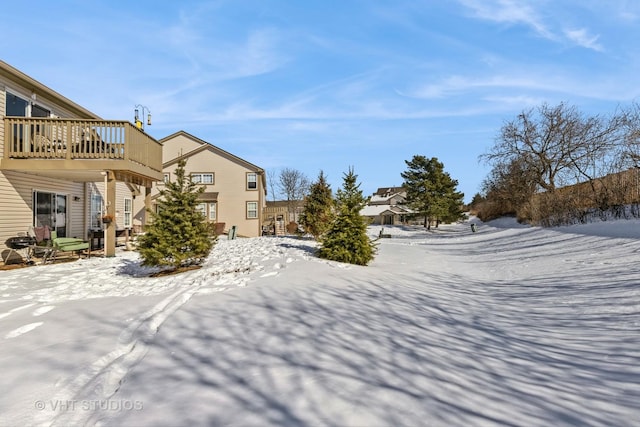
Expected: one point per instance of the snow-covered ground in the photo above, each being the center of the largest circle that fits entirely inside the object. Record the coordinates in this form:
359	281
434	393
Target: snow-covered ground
510	325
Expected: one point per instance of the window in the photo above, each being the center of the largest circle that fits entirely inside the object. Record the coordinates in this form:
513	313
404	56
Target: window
128	210
252	210
212	211
208	210
252	181
166	178
96	211
50	209
202	208
38	111
202	178
16	106
20	107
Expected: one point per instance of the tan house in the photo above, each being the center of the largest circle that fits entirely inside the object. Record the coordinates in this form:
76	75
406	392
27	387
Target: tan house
65	167
235	189
387	207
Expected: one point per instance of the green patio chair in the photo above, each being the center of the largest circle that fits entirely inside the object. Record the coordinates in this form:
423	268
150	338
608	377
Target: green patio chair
64	244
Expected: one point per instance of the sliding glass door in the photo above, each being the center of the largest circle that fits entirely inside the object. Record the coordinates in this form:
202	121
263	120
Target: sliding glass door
50	209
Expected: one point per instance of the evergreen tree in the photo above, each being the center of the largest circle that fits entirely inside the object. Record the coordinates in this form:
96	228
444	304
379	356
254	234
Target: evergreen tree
178	234
318	213
347	240
431	192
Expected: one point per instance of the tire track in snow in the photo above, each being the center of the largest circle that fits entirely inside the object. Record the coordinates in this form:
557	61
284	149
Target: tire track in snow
104	377
10	312
22	330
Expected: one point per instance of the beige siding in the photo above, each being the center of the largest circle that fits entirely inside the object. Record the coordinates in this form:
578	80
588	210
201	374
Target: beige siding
122	192
3	98
6	85
16	189
16	201
230	182
179	145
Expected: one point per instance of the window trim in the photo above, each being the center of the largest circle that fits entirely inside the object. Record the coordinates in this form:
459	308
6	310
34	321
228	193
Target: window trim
251	210
96	209
202	174
29	100
255	182
214	210
127	214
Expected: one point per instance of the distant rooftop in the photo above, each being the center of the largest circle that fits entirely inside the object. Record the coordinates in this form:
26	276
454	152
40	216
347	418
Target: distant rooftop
382	191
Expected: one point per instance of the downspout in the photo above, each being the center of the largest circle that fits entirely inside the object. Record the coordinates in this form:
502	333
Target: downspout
106	208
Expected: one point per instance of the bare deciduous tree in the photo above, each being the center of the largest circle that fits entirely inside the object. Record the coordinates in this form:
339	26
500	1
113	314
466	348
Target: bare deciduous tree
294	186
557	144
272	183
630	150
552	147
507	188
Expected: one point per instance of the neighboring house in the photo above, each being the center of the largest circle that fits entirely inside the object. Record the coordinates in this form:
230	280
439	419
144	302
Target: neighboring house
235	190
65	167
386	206
278	214
390	196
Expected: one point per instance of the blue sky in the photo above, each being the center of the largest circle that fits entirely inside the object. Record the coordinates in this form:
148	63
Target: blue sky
311	84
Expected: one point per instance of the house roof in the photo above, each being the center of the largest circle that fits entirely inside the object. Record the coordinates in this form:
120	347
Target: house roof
40	90
382	191
384	199
376	210
208	196
204	145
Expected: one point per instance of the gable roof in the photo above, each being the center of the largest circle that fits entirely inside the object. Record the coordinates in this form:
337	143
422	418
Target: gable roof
204	145
207	146
376	210
382	191
40	89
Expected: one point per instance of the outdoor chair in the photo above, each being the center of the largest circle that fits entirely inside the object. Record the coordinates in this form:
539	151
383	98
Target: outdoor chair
64	244
43	245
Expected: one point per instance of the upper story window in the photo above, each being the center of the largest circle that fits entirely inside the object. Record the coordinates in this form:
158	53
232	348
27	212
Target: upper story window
166	178
252	181
16	106
202	178
38	111
19	107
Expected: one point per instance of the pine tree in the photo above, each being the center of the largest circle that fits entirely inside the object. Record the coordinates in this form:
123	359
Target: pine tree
318	213
431	192
178	234
347	240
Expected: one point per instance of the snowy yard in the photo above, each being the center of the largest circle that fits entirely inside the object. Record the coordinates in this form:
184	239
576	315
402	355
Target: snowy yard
510	325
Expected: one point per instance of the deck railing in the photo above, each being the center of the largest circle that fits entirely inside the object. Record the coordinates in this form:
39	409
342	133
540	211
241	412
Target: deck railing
52	138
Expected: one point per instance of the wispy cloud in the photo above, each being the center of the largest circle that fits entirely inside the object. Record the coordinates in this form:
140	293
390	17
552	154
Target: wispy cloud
260	53
462	85
582	38
509	12
548	24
